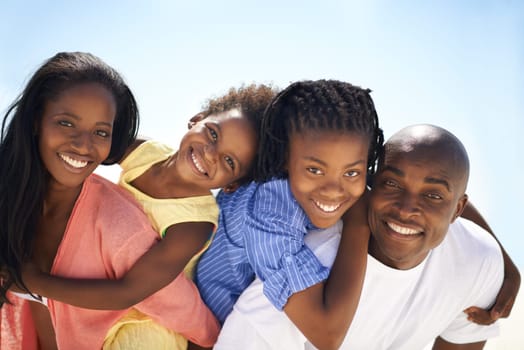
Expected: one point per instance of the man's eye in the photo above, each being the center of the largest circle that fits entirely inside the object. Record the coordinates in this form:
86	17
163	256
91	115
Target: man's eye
434	196
390	183
230	162
315	171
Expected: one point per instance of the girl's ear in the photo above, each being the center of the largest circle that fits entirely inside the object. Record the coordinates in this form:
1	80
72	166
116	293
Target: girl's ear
195	120
232	187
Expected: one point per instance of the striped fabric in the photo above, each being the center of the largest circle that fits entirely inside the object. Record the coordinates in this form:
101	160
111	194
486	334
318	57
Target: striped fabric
261	231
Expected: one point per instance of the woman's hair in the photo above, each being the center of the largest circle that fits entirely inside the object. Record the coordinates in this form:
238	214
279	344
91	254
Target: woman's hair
252	100
23	177
321	105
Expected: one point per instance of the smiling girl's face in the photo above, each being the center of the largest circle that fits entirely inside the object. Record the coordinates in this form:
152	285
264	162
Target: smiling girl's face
217	150
327	172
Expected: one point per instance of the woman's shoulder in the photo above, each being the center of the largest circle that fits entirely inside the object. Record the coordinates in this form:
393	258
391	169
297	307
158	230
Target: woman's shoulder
109	195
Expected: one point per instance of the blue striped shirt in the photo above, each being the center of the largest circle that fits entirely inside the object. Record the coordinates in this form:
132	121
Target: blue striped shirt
260	231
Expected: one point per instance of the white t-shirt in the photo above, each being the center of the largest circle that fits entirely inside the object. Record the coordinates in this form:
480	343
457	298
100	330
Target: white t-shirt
398	309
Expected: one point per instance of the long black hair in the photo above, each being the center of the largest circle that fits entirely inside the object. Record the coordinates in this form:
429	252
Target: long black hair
23	177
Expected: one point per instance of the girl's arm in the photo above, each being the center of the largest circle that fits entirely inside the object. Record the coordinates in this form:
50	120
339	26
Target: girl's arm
132	147
159	266
510	286
324	312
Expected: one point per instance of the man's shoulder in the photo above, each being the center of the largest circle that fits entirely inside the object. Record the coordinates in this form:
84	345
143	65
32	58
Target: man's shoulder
468	246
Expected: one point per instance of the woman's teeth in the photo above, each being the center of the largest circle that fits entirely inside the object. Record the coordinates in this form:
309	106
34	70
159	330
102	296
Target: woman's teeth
75	163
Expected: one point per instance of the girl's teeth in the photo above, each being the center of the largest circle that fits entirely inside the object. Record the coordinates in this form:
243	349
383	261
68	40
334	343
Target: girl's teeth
402	230
327	208
197	164
75	163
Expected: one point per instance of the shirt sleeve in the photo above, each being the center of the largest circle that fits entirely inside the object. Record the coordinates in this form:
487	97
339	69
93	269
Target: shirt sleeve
274	242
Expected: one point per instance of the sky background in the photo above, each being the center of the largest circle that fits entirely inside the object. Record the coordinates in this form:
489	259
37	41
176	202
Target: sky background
459	65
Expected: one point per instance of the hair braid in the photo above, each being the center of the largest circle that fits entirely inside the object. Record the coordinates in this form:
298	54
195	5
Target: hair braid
326	105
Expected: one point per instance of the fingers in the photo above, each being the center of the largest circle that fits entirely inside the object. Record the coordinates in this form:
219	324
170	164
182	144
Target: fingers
479	316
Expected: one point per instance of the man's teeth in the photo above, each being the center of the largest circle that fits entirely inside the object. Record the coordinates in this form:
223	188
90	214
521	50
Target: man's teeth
197	164
327	208
75	163
402	230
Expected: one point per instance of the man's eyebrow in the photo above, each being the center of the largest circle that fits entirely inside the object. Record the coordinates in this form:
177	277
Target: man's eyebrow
437	181
428	179
394	170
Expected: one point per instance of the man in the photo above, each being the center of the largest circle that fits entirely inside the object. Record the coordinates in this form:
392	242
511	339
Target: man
425	266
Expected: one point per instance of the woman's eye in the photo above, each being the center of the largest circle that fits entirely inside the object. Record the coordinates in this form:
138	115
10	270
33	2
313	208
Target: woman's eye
230	162
65	123
213	134
352	173
315	171
102	133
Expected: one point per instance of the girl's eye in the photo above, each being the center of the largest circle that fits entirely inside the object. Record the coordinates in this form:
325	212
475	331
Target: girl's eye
213	133
315	171
65	123
352	173
102	133
230	162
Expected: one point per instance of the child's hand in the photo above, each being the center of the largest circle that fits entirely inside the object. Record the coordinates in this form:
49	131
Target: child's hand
503	304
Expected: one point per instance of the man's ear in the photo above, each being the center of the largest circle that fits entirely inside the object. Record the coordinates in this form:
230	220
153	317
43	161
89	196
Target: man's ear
460	206
232	187
195	120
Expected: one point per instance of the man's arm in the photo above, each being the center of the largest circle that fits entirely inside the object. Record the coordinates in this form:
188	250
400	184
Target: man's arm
441	344
511	284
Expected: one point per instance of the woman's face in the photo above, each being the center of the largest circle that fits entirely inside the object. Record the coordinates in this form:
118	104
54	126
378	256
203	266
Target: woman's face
75	132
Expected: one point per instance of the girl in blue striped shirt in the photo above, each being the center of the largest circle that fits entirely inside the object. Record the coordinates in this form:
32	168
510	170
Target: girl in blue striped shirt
320	140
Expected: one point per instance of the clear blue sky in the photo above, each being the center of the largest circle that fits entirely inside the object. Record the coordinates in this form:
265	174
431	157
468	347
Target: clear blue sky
459	65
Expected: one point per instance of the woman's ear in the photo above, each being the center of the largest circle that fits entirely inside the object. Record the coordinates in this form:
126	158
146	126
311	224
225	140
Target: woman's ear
195	120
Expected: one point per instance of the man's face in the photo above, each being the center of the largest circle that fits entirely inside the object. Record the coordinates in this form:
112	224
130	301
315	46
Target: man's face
416	194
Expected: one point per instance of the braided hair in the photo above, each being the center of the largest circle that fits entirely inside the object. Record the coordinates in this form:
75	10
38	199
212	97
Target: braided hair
325	105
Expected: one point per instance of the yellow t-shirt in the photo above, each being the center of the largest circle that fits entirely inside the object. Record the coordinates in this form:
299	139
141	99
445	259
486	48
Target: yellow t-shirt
166	212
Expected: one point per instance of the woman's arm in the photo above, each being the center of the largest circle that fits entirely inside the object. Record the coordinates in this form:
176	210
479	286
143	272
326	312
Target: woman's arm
511	284
324	312
159	266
